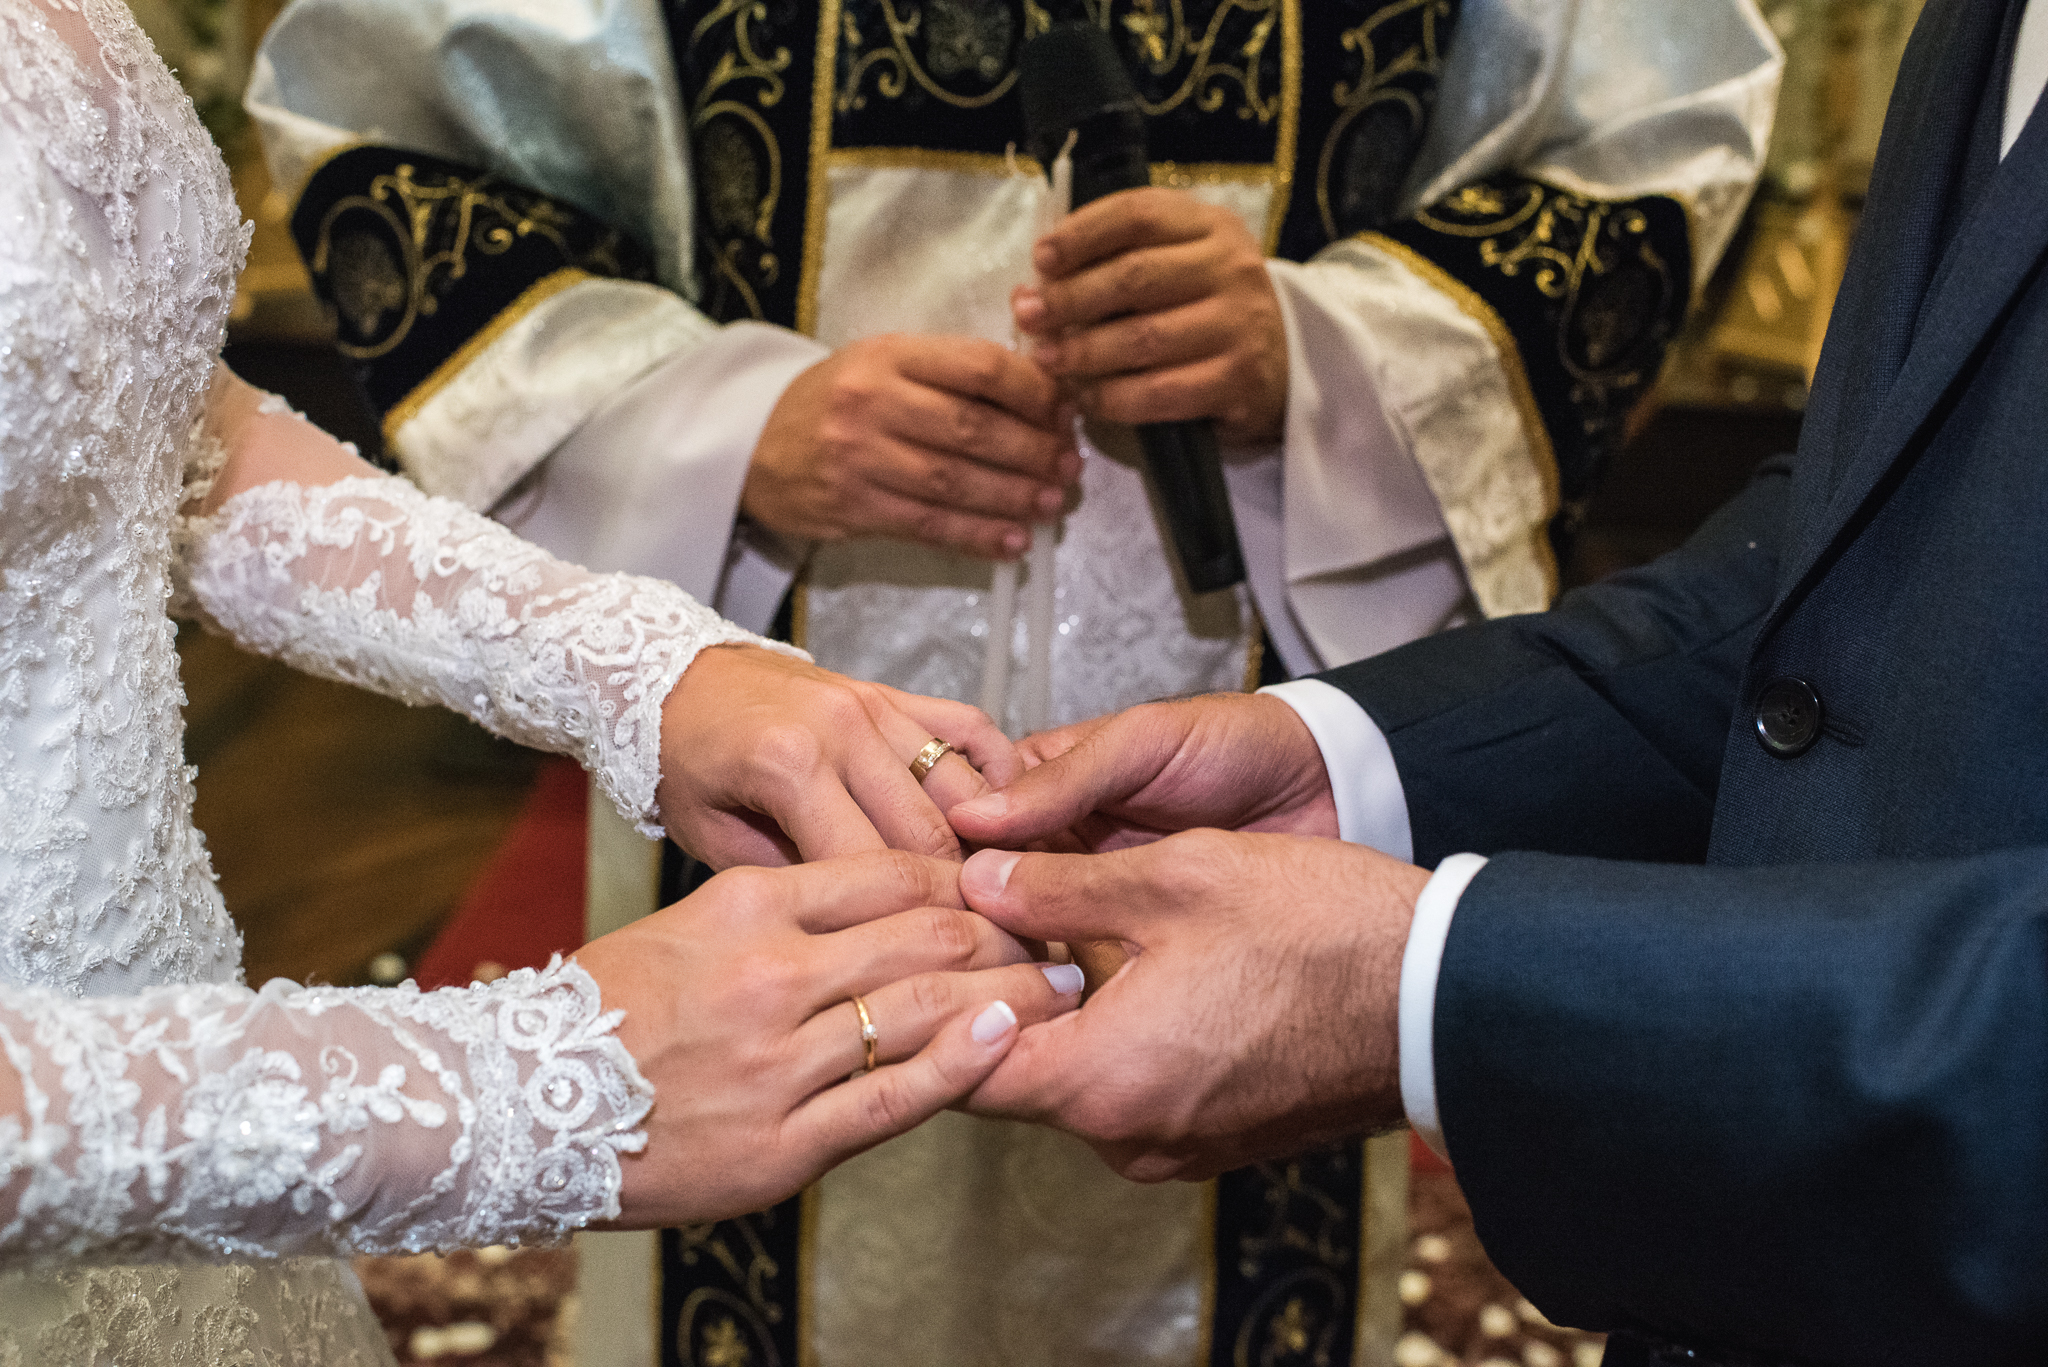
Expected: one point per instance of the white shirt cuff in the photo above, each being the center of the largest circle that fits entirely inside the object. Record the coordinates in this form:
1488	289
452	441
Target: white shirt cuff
1420	964
1372	809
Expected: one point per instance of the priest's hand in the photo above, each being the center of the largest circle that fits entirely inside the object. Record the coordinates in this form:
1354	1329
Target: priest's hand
1255	1017
951	442
1238	761
766	759
1157	307
738	1008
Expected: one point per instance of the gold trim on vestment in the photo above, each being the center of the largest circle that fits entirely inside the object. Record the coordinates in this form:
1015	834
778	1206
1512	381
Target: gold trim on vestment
933	159
1172	174
1182	175
1277	177
1358	1294
530	298
819	198
1255	648
1533	431
1205	1243
807	1274
1290	120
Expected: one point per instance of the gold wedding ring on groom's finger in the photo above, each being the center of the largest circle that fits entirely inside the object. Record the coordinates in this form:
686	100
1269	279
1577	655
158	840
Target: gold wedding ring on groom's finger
934	751
868	1033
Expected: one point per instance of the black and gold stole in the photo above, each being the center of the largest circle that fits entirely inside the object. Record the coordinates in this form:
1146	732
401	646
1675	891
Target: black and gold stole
1326	103
424	262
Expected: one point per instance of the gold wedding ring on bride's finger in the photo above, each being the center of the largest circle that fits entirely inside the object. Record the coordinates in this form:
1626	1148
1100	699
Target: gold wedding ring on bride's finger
934	751
868	1033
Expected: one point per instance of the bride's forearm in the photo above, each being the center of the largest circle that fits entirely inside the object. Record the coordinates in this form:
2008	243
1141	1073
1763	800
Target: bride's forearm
301	551
213	1119
261	440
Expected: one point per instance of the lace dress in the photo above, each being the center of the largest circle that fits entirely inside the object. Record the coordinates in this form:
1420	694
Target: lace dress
186	1157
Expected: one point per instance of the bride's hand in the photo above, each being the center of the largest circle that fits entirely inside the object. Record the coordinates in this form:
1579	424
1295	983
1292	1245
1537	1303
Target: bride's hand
738	1003
768	760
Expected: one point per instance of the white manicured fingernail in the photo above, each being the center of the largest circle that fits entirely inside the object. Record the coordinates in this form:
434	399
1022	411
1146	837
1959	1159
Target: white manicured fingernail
1066	979
993	1023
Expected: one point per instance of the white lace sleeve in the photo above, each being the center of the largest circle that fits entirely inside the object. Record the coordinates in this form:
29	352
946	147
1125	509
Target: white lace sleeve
374	583
213	1120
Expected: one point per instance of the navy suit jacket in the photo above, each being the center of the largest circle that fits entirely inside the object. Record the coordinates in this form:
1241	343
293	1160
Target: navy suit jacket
1747	1051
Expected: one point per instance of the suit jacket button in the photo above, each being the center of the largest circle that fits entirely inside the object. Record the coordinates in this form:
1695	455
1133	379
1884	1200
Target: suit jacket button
1788	717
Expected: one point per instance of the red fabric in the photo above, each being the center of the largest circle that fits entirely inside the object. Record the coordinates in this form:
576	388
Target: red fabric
527	903
1421	1159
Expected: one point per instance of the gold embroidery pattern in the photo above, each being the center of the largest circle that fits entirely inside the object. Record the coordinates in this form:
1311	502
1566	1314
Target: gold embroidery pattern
1377	82
715	1327
1167	38
739	157
436	228
1301	1315
478	342
974	39
1596	259
963	53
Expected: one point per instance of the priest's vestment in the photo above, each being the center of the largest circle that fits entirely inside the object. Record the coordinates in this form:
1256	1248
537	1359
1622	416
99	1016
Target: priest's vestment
578	248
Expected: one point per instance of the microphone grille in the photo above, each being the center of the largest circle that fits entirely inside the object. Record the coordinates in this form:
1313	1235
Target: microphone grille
1067	74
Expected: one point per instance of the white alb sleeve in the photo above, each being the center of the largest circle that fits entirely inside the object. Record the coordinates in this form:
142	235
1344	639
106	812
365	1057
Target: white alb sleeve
1419	480
213	1120
651	482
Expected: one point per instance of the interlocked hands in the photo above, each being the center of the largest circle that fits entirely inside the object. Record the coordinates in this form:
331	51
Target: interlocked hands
739	1008
1256	1014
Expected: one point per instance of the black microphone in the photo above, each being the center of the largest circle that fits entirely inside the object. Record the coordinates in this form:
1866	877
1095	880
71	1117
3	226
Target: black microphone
1072	81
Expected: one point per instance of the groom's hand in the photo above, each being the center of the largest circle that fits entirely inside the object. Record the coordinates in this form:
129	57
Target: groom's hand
1230	760
1256	1016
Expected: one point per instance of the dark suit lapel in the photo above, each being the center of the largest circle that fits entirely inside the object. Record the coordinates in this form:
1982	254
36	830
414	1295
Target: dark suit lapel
1915	179
1993	254
1911	317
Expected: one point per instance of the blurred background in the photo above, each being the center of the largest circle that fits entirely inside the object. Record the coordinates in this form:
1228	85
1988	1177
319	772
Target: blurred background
360	841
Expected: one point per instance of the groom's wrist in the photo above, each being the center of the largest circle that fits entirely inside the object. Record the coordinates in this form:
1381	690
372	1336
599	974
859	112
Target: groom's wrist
1372	808
1421	963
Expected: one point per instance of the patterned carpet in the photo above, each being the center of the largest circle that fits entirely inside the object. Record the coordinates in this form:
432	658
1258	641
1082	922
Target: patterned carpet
1456	1307
497	1307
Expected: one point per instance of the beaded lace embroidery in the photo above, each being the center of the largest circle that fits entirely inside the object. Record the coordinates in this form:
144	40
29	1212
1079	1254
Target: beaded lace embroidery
372	582
168	1112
